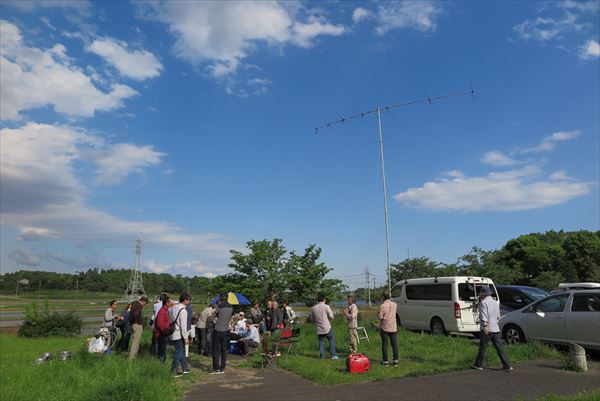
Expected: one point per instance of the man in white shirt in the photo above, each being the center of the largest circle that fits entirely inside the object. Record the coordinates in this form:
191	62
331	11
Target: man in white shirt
321	314
489	314
178	314
240	325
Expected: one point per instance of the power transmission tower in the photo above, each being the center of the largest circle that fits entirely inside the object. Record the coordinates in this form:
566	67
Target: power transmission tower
378	111
135	288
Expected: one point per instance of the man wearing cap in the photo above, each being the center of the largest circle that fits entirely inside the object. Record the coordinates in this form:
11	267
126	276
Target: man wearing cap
489	314
240	325
251	338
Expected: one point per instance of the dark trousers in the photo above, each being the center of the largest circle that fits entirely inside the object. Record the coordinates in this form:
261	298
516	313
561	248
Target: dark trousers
220	342
162	342
124	342
392	337
249	346
154	346
203	344
496	339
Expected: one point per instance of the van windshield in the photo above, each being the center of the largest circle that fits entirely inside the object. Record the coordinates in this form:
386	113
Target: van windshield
470	291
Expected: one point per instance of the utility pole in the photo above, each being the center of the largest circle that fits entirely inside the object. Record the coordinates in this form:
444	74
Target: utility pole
378	111
77	291
367	284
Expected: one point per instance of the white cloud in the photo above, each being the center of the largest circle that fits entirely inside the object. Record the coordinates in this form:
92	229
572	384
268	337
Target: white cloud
117	161
42	196
590	50
34	234
360	14
25	256
581	6
544	29
136	64
418	15
514	190
186	269
549	143
220	35
454	174
34	78
82	7
497	159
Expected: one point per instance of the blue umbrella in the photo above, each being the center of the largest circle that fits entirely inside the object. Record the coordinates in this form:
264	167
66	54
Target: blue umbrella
233	298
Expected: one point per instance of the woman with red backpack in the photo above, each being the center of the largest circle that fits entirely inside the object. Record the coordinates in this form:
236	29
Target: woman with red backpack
161	328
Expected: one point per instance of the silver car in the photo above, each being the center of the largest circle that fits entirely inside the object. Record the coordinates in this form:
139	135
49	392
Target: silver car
567	317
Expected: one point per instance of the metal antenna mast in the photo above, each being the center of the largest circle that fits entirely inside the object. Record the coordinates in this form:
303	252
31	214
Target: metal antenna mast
135	288
378	111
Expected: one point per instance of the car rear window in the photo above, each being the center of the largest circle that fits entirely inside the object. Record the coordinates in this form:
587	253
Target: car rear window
586	303
430	292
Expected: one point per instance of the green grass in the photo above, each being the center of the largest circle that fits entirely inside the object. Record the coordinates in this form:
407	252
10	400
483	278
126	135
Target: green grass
84	377
420	354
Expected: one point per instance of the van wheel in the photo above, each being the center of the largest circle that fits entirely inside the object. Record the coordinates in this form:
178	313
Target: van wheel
437	327
513	334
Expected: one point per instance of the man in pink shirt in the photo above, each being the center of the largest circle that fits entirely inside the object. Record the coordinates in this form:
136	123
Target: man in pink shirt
321	314
388	328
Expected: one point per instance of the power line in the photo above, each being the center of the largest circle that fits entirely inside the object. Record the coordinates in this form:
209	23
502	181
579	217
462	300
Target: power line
378	110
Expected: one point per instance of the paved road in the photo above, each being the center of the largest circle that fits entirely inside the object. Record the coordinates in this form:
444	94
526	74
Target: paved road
529	380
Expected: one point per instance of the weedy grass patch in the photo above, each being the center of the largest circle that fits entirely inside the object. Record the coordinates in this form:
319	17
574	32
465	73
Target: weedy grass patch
84	376
420	354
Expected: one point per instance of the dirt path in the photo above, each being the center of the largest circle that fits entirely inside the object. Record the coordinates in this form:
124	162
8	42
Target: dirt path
529	380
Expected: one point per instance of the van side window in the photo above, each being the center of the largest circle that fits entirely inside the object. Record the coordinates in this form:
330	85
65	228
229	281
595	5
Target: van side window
431	292
586	303
469	292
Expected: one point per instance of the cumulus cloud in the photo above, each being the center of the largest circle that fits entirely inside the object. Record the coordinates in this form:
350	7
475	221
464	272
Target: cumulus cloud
220	35
550	142
136	64
497	159
360	14
33	77
590	50
520	189
116	162
26	257
42	196
418	15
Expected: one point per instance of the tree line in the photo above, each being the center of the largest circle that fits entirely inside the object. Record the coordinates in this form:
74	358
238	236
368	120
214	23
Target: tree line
269	271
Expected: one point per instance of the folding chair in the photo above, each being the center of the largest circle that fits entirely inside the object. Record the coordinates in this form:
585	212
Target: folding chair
269	357
362	334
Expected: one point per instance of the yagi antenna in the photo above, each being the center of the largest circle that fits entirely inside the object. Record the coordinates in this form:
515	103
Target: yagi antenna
378	110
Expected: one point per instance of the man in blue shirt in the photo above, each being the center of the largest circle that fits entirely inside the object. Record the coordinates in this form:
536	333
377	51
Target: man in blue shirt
489	314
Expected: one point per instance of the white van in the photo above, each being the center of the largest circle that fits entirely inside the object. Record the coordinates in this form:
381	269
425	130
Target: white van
440	304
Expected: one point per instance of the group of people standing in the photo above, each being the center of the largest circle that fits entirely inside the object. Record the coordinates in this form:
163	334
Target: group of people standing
217	325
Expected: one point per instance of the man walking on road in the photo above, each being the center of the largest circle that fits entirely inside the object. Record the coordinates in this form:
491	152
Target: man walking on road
489	314
388	328
321	314
136	320
351	314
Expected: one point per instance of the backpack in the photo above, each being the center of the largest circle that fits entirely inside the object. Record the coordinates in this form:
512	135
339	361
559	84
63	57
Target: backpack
173	324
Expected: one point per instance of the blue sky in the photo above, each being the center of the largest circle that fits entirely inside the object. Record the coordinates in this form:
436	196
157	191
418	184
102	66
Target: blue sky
192	125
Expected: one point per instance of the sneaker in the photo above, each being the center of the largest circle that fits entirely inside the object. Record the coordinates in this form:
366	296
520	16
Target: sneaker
177	374
396	363
215	372
335	357
476	367
508	368
385	363
186	372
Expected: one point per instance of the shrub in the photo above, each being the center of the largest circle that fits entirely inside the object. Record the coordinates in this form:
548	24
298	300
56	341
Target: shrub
45	324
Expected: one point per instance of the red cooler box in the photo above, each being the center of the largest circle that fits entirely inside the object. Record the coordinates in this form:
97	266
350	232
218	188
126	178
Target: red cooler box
358	363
